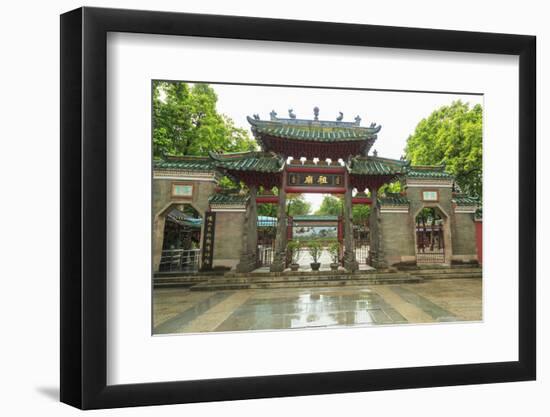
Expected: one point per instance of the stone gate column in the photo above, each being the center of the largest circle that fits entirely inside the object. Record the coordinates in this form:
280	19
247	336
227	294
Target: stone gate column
376	254
253	222
248	260
350	263
279	258
373	230
158	240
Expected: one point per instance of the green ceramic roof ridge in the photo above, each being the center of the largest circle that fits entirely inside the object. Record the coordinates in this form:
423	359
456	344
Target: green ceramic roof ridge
313	130
429	172
267	162
393	199
373	165
225	198
465	200
193	163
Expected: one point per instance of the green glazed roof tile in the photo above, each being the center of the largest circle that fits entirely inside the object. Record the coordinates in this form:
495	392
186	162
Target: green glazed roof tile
191	163
429	172
313	130
372	165
465	200
248	161
228	199
393	199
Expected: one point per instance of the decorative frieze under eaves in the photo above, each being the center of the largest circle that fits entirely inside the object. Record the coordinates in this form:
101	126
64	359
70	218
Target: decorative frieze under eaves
177	174
438	183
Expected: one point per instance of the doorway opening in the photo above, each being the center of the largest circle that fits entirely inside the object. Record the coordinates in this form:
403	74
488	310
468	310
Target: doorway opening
182	237
429	236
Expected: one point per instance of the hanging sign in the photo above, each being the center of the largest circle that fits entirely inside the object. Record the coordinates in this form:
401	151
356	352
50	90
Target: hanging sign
309	179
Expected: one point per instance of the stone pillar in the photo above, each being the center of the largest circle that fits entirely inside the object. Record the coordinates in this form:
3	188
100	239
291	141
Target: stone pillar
248	260
376	254
158	240
350	263
253	221
279	258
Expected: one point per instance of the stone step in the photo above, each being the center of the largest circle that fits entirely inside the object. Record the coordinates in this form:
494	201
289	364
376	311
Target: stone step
450	275
179	281
302	273
305	278
298	283
444	270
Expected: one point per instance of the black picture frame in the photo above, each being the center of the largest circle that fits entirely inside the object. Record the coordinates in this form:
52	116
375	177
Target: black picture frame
84	207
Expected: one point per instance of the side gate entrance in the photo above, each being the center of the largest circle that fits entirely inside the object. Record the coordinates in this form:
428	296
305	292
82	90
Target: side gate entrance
430	242
267	230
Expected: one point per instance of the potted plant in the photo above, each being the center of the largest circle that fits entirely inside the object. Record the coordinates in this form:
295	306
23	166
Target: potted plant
294	248
314	248
334	251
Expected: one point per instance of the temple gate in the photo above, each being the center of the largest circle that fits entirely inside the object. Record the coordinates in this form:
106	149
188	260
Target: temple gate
317	156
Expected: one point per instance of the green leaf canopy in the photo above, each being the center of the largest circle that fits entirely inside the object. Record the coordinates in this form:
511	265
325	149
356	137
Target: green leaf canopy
451	135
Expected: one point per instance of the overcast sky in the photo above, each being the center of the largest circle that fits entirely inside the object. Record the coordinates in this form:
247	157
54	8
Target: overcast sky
397	112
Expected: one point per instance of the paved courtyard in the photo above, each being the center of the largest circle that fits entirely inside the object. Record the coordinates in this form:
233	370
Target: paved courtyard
178	310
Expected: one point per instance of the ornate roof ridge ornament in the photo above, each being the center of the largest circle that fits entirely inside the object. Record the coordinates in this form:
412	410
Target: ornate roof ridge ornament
293	121
316	113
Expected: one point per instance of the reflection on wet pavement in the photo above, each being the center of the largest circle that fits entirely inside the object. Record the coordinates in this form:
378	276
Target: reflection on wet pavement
178	310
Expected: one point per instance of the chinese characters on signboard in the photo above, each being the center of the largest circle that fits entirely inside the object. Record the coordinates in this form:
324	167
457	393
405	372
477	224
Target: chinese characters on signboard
208	240
315	180
182	190
430	196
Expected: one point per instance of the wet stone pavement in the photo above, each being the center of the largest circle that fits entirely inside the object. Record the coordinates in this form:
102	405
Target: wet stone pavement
178	310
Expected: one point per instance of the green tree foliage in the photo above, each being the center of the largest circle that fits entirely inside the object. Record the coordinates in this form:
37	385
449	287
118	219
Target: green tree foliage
297	205
392	187
451	135
269	210
333	206
186	122
360	213
330	206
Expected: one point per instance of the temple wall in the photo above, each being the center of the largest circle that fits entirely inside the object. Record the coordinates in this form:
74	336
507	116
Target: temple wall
397	236
162	195
163	201
464	237
414	194
228	238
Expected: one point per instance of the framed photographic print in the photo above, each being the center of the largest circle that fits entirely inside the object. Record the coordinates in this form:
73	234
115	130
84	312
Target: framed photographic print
258	208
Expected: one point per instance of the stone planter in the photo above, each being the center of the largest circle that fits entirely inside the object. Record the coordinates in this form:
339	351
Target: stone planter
334	267
294	267
315	266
